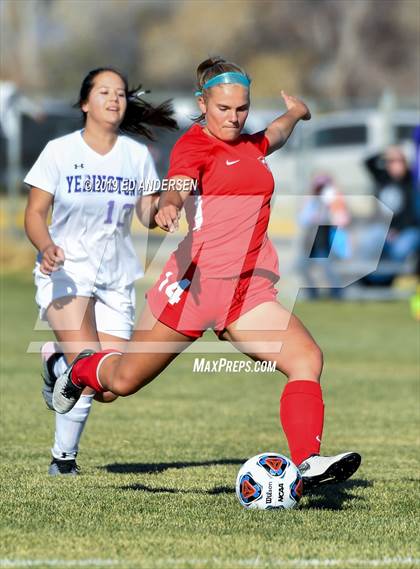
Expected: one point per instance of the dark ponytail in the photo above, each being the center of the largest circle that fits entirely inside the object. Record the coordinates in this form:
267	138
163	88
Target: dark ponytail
210	68
139	114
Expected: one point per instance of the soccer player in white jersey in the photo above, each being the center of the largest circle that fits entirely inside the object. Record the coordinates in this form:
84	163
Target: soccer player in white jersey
93	180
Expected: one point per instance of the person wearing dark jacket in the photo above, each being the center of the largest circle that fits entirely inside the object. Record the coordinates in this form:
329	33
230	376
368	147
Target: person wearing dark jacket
395	188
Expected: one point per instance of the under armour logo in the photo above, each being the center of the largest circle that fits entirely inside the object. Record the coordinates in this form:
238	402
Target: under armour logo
78	166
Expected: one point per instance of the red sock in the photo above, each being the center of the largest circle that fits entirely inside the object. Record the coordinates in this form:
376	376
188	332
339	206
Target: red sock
85	371
302	418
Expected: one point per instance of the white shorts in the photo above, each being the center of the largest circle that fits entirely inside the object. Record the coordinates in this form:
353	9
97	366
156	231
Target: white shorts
114	308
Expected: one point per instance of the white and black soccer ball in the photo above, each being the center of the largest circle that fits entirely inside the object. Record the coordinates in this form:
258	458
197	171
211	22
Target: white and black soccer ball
269	480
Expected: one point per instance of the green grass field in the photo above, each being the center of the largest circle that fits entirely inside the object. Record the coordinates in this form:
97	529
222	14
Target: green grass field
158	469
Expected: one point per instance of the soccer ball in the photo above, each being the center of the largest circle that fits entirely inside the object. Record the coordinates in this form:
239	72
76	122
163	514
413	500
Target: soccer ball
269	480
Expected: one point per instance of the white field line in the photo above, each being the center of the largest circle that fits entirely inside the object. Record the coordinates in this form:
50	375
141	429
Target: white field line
59	563
214	562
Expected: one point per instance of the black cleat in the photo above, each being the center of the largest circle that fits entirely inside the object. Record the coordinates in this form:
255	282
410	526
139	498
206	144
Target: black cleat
49	355
66	394
60	467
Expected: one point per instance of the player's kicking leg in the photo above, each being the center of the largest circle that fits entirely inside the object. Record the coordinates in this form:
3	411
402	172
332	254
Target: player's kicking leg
125	374
301	407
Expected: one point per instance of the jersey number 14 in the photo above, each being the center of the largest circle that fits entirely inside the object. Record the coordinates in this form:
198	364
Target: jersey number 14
174	290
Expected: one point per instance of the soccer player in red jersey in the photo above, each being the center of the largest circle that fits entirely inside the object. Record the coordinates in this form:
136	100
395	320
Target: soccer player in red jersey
222	275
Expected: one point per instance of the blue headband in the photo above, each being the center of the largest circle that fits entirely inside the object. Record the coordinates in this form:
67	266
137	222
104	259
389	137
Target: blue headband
223	78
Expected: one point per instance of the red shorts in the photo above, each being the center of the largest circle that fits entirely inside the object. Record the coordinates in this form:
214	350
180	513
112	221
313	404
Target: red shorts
191	304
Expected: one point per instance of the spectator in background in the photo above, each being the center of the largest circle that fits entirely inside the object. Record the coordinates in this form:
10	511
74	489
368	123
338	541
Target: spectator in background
323	218
395	187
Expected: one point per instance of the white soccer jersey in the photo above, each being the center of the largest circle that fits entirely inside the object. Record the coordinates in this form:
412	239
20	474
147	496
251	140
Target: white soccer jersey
94	200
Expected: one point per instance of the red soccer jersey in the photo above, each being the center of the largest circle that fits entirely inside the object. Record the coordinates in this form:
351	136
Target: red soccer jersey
229	212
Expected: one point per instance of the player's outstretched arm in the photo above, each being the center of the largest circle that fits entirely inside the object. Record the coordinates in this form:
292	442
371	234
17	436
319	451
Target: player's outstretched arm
281	128
171	202
39	203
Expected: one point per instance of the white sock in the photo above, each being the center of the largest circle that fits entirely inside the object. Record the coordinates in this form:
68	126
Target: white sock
60	366
69	428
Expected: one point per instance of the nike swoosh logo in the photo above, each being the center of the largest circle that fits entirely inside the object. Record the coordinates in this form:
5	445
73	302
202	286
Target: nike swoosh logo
230	162
318	439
